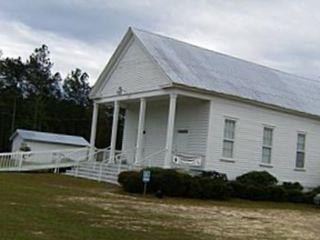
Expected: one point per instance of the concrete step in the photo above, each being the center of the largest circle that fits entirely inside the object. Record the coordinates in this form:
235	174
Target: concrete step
102	168
98	164
102	179
95	174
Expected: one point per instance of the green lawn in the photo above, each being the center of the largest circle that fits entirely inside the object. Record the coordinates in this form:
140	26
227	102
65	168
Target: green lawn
48	206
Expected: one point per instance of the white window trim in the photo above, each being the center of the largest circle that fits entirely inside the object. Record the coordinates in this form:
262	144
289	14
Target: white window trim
226	117
226	159
302	169
266	165
268	125
270	164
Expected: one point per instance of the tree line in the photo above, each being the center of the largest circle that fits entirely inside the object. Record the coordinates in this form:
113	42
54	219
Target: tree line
34	97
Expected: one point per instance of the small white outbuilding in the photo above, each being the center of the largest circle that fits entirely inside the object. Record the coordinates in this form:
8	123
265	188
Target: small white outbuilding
44	141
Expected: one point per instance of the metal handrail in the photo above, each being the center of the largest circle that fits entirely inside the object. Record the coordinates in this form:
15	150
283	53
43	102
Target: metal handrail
118	159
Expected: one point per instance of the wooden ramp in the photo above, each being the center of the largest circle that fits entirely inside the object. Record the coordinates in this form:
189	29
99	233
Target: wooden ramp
32	161
37	167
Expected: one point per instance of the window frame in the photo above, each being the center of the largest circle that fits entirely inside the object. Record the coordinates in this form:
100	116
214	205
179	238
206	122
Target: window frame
267	146
232	140
300	151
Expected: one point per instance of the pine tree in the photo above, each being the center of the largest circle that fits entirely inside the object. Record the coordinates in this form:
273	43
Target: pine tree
76	87
42	84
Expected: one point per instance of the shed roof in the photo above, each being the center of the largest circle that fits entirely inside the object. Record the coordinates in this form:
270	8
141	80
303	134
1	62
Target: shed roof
50	137
200	68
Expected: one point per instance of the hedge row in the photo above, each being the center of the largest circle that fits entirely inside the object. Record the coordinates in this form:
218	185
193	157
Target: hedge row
213	185
177	184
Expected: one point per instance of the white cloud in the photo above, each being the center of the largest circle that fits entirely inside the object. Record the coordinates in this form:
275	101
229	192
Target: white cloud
283	34
280	34
67	54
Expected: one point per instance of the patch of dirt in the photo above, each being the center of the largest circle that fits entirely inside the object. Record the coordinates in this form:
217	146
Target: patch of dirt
37	233
223	222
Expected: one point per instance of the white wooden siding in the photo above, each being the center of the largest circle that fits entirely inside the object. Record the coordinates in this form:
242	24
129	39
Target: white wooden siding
16	144
191	114
156	129
135	72
43	146
130	130
248	142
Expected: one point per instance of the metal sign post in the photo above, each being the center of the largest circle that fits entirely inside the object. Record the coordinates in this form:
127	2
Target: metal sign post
145	178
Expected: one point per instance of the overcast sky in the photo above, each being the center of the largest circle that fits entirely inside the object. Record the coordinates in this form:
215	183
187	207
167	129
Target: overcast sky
284	34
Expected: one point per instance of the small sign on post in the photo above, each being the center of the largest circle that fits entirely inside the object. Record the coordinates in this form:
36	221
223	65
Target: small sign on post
145	178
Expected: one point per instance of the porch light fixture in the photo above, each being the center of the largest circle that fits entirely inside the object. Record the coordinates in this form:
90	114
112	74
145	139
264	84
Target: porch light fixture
120	91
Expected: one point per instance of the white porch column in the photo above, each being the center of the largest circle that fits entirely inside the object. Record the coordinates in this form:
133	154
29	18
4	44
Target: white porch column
114	130
94	125
170	130
141	124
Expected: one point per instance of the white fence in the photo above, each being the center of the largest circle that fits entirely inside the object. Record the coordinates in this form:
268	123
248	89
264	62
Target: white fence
24	161
28	161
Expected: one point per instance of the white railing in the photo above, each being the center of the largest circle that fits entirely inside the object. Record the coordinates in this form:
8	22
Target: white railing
18	161
100	158
10	160
123	158
98	165
95	157
187	159
99	155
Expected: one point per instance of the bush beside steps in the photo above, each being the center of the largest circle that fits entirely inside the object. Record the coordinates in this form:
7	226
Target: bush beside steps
255	185
177	184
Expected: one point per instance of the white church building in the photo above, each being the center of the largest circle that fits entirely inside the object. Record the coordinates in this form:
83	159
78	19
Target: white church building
190	107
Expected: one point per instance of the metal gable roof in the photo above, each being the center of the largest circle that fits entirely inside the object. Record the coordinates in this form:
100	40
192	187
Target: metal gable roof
192	66
50	137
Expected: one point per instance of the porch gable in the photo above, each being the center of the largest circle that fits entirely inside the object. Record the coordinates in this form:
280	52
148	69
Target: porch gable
134	71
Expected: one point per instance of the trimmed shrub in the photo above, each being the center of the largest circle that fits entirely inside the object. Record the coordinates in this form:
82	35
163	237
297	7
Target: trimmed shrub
309	196
258	186
170	182
207	188
289	186
176	184
214	175
122	177
293	192
180	184
316	190
276	194
131	181
195	189
214	189
295	196
257	178
248	191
